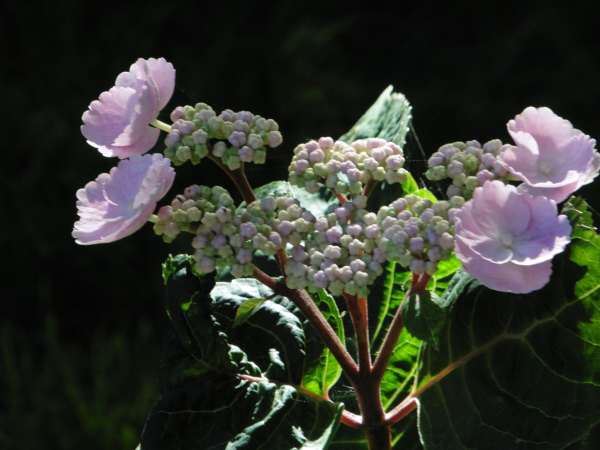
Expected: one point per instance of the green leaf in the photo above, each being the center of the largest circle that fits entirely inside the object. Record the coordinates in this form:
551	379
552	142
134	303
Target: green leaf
386	297
272	325
424	316
206	400
317	203
246	309
527	367
388	118
325	371
410	186
173	264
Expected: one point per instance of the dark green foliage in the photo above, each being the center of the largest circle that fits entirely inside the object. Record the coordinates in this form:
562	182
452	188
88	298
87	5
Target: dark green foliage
206	400
533	380
324	371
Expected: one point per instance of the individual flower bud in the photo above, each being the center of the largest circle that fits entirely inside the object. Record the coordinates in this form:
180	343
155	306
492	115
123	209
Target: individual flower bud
246	154
244	256
274	139
455	169
483	176
434	254
321	280
219	149
492	146
354	230
346	274
360	201
326	142
416	244
205	265
332	252
254	141
247	229
361	278
237	138
417	266
371	231
334	234
298	254
275	238
285	228
446	241
356	247
488	160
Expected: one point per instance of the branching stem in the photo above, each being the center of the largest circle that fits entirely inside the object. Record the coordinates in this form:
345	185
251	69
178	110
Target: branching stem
304	301
389	342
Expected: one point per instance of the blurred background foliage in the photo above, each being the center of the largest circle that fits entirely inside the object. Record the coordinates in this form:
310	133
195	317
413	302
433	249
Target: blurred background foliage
81	327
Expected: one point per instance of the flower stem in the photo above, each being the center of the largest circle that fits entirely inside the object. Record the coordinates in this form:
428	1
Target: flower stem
303	300
389	342
161	125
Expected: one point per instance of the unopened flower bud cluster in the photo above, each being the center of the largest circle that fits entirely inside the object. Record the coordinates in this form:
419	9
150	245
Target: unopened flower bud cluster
228	237
196	205
346	168
468	165
417	233
341	254
349	246
232	137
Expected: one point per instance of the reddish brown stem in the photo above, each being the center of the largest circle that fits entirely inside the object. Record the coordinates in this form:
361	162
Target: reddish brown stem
341	198
357	308
389	342
369	187
306	304
401	411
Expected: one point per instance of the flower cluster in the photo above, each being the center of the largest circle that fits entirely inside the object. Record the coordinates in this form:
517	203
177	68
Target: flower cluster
118	123
551	157
467	165
349	246
346	168
507	239
118	203
232	137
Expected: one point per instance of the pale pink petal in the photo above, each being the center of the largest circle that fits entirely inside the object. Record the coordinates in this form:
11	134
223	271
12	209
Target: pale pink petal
118	203
547	128
551	157
491	205
505	277
117	123
506	238
160	73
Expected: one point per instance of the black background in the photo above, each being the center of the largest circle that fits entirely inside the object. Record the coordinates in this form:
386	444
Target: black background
312	66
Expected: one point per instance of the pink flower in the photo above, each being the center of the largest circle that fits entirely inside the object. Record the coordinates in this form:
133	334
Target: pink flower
507	239
117	124
551	157
118	203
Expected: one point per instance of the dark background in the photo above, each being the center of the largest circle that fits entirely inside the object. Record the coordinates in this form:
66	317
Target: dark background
80	326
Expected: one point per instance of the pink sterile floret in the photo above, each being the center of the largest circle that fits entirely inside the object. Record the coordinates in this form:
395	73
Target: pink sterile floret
118	203
117	124
551	157
506	238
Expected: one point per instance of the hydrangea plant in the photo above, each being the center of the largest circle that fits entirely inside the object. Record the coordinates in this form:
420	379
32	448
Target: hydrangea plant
350	307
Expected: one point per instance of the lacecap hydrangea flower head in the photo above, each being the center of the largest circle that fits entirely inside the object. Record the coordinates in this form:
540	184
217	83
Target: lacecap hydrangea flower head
507	238
550	157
